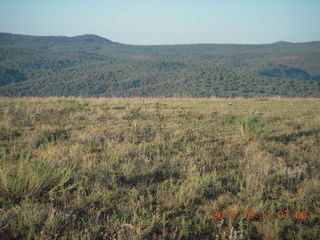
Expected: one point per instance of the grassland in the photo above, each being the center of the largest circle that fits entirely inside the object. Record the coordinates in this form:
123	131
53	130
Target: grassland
74	168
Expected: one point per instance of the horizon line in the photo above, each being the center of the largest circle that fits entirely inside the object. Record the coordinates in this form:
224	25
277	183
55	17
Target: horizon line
163	44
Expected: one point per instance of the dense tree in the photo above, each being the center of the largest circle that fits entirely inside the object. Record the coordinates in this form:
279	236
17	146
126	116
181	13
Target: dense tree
93	66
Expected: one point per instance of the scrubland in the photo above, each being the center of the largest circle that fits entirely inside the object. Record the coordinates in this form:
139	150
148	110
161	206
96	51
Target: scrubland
157	168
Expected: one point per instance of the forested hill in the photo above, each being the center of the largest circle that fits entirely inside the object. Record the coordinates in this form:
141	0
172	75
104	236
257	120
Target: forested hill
90	65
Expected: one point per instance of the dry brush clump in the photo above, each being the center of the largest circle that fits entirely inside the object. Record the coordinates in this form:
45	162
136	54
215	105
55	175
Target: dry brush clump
252	127
37	179
257	166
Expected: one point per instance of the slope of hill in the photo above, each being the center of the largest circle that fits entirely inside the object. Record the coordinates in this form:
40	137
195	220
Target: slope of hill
85	168
90	65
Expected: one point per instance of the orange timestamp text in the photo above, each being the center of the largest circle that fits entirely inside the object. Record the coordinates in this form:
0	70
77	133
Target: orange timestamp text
256	215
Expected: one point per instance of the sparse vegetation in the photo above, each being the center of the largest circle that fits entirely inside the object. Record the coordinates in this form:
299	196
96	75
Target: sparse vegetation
75	168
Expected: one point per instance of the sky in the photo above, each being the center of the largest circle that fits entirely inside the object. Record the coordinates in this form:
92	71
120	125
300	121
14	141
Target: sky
150	22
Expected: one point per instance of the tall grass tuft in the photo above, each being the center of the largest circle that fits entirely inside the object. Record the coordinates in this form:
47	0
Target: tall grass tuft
252	127
37	179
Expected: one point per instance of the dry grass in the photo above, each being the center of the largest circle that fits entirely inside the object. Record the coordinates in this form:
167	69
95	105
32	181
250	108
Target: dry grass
147	168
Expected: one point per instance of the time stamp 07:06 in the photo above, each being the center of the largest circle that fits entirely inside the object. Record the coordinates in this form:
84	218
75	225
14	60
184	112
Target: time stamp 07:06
256	215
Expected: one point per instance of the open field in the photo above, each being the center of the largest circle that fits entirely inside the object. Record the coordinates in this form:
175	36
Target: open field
147	168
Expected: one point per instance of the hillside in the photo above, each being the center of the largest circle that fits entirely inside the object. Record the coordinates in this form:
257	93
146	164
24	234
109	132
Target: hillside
90	65
169	168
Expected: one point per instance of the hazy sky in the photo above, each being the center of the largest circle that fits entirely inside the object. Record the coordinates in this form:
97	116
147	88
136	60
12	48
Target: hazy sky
166	21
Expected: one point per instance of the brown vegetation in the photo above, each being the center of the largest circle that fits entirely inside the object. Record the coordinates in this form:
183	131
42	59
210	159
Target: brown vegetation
73	168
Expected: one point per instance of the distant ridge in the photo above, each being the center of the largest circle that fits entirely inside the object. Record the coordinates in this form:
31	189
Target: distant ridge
281	42
90	65
9	38
90	38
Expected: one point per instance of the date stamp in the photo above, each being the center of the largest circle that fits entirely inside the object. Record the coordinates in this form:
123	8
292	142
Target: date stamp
259	215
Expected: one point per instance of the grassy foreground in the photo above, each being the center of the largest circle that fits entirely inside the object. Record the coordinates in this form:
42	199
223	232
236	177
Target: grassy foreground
73	168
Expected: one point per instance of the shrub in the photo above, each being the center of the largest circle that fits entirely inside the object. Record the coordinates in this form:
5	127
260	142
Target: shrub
252	127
